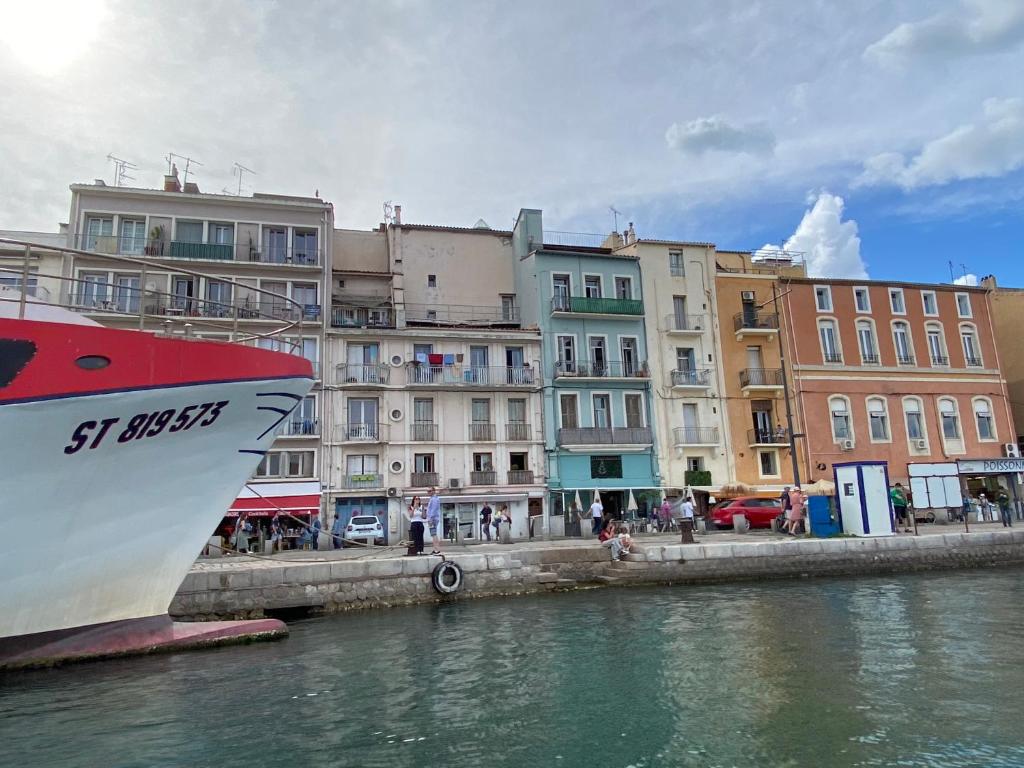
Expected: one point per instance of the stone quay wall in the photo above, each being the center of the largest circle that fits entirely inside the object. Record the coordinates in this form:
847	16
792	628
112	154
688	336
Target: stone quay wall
252	589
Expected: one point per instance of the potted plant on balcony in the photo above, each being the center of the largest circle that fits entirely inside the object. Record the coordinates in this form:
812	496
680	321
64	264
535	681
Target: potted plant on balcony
155	246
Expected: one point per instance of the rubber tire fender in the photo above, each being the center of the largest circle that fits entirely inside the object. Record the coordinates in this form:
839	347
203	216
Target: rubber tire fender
446	577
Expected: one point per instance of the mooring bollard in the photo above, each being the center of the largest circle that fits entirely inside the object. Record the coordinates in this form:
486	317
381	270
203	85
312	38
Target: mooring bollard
686	529
739	524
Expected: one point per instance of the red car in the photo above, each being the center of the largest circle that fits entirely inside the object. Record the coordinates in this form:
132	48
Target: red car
760	512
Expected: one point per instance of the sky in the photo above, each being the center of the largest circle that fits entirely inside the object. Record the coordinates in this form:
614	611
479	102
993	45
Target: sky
883	139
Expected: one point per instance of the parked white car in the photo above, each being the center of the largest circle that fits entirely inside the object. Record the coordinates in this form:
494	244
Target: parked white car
364	528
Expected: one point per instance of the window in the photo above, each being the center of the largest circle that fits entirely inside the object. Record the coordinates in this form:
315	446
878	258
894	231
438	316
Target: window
930	303
695	463
305	247
431	281
567	354
222	234
623	288
630	362
133	235
300	464
92	289
218	298
602	411
517	410
189	232
423	462
679	318
483	462
275	245
769	463
896	302
270	466
972	351
598	358
99	233
950	419
423	410
560	291
517	462
901	341
829	341
569	411
481	411
592	286
304	294
823	298
686	361
983	417
286	464
127	292
862	299
362	464
508	308
878	420
839	407
675	264
634	411
866	340
913	417
936	344
963	305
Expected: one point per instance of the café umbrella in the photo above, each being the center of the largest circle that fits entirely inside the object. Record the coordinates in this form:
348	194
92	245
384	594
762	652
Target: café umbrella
631	505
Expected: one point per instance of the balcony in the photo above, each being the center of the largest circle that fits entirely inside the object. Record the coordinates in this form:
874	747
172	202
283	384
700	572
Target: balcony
362	317
588	305
460	315
362	482
302	255
697	378
518	430
520	477
424	479
605	369
760	380
116	245
361	432
695	436
471	376
768	437
368	375
299	428
683	324
574	239
209	251
755	324
870	358
905	360
481	431
424	432
832	357
604	436
486	477
973	362
940	360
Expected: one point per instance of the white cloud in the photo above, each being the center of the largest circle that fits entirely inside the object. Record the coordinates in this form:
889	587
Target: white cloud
990	147
976	27
716	134
830	245
968	279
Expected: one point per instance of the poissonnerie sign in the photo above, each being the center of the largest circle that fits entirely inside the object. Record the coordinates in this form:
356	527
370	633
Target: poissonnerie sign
968	466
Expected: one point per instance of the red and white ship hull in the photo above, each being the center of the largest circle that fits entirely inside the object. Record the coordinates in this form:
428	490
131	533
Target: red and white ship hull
120	452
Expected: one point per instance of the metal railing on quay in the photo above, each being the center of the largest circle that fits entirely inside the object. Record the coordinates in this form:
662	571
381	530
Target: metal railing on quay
603	369
374	373
698	377
761	377
695	436
755	321
604	436
134	298
687	322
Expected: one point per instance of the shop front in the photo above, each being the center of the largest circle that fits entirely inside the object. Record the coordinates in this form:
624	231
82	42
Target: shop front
295	504
461	514
988	476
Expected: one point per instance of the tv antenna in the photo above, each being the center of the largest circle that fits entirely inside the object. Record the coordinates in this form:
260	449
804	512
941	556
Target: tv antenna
389	212
121	168
239	170
189	162
615	216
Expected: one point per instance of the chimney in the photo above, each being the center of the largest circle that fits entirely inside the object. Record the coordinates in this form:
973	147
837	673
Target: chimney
630	234
398	214
191	187
171	183
100	182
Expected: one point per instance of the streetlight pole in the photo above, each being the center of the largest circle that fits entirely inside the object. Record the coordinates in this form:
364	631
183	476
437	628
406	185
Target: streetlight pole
785	391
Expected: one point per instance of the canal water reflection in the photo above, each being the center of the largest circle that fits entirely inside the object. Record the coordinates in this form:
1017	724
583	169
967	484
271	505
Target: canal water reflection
922	670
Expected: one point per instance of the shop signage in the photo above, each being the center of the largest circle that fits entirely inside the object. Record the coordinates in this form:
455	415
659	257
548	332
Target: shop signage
602	467
982	466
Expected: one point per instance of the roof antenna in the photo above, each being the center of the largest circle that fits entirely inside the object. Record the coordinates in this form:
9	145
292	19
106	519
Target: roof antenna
952	277
121	168
238	170
188	162
615	217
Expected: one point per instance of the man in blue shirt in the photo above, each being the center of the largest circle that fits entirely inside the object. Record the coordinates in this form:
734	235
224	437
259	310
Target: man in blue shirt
434	520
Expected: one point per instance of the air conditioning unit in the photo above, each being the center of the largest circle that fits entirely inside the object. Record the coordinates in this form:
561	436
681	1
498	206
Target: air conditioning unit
747	295
454	483
847	445
920	444
394	492
1011	450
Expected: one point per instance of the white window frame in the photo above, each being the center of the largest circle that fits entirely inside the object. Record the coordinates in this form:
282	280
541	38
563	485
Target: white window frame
778	465
607	358
970	329
867	296
827	295
903	301
576	399
822	322
615	286
593	412
924	303
575	352
831	417
870	325
959	423
622	357
987	402
673	269
919	404
966	297
930	328
600	283
910	341
885	412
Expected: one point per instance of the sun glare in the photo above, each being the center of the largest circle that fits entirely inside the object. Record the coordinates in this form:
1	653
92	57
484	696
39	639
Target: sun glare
48	35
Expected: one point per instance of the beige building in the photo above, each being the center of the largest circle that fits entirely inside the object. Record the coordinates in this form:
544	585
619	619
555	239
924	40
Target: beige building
36	264
432	380
683	357
222	267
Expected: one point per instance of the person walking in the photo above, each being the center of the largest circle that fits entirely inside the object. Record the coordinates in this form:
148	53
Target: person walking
664	516
276	534
417	523
686	512
434	520
596	514
241	534
796	512
1003	500
898	496
315	532
337	532
984	508
485	521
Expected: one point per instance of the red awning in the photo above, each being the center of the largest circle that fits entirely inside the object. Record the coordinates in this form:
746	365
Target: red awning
306	504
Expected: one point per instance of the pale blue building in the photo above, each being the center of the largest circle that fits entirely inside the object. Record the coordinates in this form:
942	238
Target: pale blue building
598	432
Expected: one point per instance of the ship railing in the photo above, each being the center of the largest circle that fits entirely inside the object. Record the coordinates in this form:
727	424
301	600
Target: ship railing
237	312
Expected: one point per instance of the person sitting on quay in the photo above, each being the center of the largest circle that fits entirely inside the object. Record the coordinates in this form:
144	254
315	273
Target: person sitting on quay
616	538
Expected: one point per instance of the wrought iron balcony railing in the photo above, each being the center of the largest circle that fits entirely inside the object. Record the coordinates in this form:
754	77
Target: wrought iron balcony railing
484	477
695	323
424	479
597	306
364	374
755	321
777	436
479	430
423	431
695	436
520	477
604	369
687	377
761	377
517	430
604	436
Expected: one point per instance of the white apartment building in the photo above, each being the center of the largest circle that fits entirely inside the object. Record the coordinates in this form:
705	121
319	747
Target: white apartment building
683	350
432	380
262	262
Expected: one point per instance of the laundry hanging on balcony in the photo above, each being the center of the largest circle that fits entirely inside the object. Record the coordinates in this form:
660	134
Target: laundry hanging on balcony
435	359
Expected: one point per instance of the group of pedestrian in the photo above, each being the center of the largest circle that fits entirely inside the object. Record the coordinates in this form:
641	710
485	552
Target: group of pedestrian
491	521
794	502
986	509
423	519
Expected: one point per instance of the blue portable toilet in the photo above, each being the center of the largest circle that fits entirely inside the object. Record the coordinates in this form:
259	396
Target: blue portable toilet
819	515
